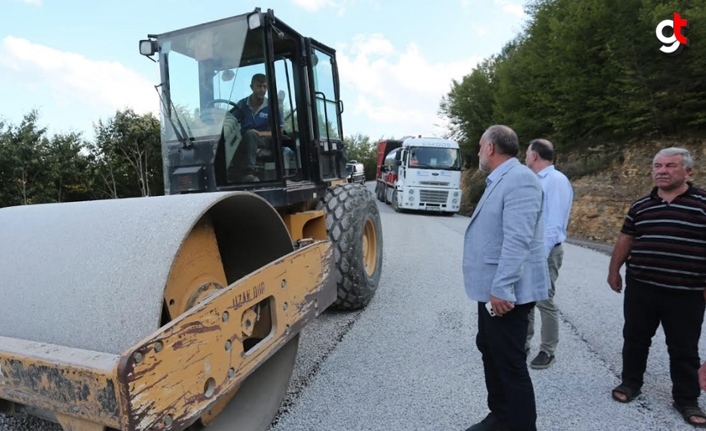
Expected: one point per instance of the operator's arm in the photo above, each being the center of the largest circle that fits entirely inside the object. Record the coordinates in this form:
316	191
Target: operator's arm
621	251
268	133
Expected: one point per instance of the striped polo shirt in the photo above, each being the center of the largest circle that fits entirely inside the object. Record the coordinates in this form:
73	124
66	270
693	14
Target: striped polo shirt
669	246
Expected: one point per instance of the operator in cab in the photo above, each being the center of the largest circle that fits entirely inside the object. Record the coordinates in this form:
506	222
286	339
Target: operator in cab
252	113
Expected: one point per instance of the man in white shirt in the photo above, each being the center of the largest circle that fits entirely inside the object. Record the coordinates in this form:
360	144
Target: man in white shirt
558	197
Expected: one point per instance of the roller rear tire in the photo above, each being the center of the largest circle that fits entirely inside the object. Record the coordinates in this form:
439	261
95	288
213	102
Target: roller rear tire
354	227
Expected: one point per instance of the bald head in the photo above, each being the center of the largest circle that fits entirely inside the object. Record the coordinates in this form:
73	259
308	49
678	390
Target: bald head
540	154
504	139
497	144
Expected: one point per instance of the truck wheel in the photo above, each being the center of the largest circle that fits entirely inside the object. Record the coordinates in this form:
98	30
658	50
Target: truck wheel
353	226
395	203
380	193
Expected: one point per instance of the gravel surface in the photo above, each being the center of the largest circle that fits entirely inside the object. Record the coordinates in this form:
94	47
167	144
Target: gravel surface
409	362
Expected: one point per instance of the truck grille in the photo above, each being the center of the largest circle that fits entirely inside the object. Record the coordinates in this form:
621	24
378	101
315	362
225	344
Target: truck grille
433	196
434	183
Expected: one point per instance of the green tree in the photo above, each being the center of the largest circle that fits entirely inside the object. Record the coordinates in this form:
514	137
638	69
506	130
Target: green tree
67	166
469	106
126	155
588	72
362	150
22	162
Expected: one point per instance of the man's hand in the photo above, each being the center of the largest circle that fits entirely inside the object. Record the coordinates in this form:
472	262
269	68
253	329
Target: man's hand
500	306
702	376
621	251
615	281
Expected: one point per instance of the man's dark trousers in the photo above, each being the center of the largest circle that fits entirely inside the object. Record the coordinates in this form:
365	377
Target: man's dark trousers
681	314
501	341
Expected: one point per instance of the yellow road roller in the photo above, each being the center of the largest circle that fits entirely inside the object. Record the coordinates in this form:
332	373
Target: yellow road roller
183	311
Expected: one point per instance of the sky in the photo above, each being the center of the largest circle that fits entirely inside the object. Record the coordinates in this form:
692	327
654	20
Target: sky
77	62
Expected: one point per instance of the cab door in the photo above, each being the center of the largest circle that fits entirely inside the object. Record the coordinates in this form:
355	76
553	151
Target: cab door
326	110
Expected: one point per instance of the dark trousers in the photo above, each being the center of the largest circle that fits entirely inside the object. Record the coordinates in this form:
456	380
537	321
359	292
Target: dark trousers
681	314
501	342
247	151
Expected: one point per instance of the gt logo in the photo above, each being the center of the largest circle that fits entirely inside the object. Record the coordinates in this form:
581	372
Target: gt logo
673	44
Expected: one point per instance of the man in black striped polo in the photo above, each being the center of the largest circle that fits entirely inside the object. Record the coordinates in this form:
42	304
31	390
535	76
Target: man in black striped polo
663	243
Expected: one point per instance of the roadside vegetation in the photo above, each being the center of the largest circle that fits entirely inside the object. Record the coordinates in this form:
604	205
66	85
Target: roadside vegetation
589	76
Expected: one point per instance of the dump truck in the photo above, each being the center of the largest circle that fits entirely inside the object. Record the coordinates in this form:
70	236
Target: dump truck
419	174
184	311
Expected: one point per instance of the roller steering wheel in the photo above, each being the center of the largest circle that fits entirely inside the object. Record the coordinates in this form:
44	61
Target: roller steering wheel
233	104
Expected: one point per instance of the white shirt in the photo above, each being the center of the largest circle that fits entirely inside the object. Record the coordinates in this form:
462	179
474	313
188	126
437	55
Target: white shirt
558	197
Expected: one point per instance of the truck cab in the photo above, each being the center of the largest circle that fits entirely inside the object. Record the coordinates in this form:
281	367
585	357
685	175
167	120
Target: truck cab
421	174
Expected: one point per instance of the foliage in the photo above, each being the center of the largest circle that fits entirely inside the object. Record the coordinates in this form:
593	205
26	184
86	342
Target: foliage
127	155
38	169
124	160
583	73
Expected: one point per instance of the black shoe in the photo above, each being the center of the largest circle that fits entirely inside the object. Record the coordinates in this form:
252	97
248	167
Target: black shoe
541	361
490	423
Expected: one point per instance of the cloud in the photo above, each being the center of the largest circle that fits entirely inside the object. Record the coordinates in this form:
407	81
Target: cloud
481	30
314	5
31	2
400	90
511	8
72	79
340	5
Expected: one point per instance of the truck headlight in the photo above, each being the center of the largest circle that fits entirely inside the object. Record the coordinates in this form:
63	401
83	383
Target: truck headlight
456	194
455	201
411	191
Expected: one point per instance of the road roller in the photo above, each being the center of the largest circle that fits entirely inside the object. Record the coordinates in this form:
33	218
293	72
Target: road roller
184	311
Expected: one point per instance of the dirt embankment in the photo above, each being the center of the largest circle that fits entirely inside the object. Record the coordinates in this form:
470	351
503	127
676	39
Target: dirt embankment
602	198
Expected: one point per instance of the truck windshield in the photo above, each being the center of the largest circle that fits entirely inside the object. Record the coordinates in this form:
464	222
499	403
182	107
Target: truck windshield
204	75
434	158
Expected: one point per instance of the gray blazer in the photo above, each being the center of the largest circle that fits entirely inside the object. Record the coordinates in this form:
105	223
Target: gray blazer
503	251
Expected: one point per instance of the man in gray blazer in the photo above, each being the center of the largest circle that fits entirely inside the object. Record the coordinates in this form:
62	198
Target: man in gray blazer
504	264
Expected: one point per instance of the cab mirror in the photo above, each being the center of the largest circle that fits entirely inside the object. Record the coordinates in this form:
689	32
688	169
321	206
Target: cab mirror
254	21
148	47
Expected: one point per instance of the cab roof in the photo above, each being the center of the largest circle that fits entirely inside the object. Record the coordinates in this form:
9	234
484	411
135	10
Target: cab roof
429	142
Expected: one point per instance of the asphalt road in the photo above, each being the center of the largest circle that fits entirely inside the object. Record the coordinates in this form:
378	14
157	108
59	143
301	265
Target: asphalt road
409	362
